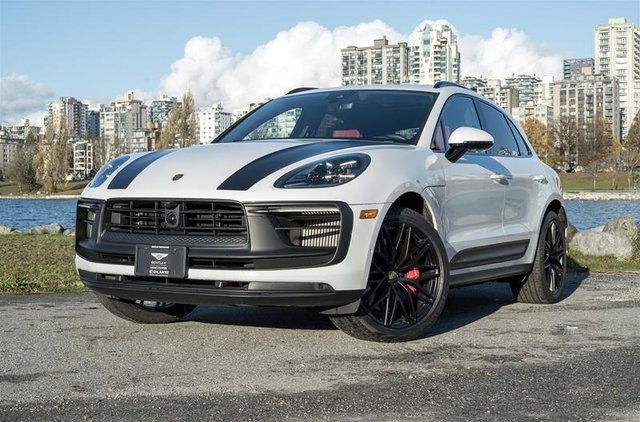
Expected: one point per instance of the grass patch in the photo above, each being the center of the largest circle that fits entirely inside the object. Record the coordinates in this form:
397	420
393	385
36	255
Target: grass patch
578	262
37	263
572	182
68	188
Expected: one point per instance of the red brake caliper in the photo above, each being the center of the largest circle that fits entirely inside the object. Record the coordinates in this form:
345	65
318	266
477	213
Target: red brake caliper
412	274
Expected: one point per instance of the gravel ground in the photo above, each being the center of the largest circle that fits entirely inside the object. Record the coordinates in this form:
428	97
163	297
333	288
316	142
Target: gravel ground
66	358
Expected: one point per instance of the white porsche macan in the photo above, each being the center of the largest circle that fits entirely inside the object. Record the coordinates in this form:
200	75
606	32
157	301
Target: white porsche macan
364	203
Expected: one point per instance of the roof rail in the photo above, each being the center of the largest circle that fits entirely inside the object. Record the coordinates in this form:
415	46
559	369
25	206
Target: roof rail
301	89
442	84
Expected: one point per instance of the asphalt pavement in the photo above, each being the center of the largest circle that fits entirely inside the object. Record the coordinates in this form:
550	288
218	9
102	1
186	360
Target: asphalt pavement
64	357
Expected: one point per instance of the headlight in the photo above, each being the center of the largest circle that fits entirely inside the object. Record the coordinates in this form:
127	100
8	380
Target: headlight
107	170
329	172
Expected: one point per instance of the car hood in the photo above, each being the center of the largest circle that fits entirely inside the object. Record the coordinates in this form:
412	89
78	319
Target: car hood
222	168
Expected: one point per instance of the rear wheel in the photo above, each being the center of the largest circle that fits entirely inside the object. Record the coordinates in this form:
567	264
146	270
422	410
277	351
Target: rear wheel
545	283
408	281
145	312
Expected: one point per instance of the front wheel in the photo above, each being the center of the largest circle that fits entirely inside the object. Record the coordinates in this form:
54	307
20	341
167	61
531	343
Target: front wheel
545	283
408	282
145	312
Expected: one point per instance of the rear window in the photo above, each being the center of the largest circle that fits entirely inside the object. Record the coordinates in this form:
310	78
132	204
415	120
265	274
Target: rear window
378	115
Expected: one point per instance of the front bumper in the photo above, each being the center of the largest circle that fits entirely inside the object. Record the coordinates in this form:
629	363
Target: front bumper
260	273
278	294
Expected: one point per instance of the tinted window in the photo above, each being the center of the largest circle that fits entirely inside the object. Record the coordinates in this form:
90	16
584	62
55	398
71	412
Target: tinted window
524	148
384	115
459	111
496	124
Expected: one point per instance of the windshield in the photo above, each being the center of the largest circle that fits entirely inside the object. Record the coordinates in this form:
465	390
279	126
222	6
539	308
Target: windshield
384	115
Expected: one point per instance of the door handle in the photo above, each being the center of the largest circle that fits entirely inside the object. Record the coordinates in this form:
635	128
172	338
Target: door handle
498	177
541	179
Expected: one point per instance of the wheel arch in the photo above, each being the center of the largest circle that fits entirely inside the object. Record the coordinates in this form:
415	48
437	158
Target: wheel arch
416	202
556	206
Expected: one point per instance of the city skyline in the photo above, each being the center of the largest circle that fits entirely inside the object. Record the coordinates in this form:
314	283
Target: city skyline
217	64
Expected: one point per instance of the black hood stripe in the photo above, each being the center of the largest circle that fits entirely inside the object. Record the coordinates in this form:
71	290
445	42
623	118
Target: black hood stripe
257	170
130	172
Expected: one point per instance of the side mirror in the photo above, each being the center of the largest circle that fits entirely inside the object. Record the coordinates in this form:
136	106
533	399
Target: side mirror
466	138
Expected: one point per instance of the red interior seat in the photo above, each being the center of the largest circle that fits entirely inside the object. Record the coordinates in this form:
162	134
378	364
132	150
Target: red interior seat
346	133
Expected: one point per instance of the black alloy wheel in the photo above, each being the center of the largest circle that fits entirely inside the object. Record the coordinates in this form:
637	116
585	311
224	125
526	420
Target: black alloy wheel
408	280
547	278
554	262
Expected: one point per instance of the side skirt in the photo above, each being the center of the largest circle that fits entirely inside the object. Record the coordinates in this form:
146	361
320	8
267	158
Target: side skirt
474	277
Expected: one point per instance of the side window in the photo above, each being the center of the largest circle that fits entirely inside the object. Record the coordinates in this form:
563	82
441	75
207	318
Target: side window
496	124
459	111
522	144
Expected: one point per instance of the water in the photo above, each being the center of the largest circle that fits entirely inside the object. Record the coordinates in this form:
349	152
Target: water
26	213
589	214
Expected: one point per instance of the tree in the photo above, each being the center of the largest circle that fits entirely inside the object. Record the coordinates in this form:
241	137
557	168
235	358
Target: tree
538	135
22	170
52	160
187	121
565	135
170	132
631	148
595	146
100	152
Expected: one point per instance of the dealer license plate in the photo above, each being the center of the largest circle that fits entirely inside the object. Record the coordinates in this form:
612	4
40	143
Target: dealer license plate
161	261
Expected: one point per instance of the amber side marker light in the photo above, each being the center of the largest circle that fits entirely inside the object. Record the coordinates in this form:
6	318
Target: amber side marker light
368	214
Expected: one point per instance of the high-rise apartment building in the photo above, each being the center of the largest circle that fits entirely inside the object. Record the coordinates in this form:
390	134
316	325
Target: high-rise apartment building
505	96
118	122
617	55
158	110
587	97
473	82
526	86
93	124
8	148
82	158
72	112
541	112
572	68
211	122
435	55
381	63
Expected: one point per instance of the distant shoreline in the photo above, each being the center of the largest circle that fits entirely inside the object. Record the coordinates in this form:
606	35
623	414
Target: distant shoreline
39	196
633	195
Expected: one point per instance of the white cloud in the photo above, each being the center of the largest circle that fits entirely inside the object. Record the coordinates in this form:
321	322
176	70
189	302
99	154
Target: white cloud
505	52
22	97
308	54
305	55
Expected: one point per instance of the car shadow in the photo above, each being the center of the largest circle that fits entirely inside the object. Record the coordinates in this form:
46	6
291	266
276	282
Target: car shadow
465	305
281	318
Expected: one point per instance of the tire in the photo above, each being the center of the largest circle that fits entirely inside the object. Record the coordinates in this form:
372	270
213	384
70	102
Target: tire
145	312
545	282
407	285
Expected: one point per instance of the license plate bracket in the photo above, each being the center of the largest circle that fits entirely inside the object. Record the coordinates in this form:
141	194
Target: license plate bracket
161	261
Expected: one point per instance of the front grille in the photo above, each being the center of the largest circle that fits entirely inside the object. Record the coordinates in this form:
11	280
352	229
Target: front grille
311	229
193	218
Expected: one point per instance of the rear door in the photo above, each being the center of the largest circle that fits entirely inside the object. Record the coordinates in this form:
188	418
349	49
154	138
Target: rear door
522	184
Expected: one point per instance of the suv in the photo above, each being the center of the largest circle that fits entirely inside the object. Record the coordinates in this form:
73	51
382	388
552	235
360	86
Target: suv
364	203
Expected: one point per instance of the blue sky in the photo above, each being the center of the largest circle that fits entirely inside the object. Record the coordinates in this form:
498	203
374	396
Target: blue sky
97	50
